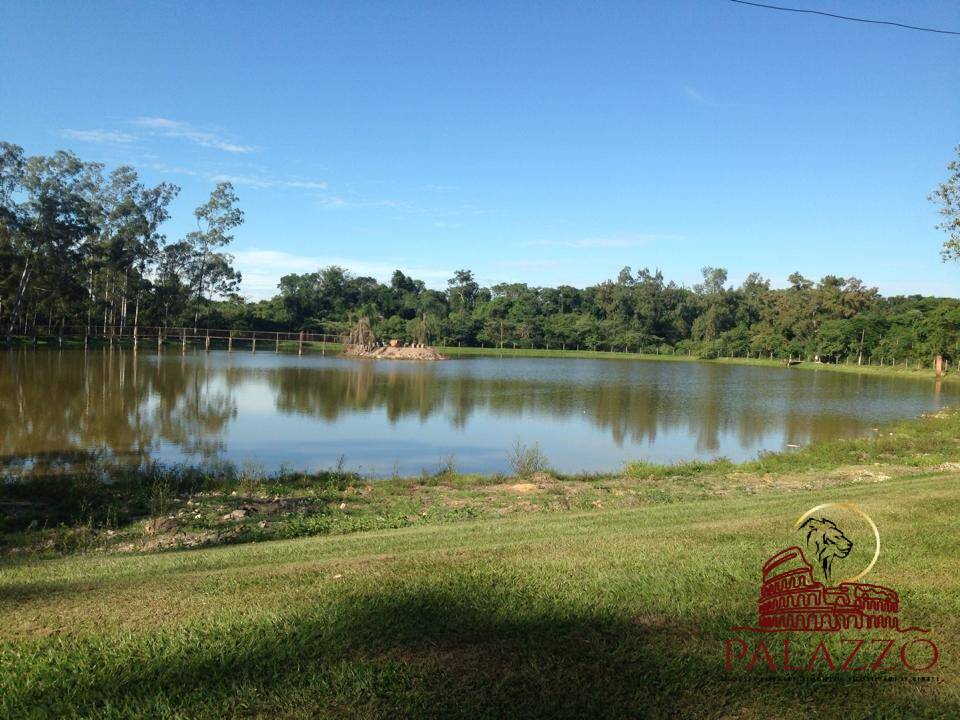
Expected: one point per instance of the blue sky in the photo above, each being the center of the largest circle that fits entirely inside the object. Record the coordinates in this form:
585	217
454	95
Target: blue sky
543	142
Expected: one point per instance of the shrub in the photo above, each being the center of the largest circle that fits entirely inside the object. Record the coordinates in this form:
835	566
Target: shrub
526	460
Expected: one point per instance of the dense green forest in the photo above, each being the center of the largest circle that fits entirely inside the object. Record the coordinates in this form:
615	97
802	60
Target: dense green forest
81	247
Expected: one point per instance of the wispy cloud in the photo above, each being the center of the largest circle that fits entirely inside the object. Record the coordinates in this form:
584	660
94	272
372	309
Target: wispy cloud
352	201
253	180
262	269
698	97
616	241
530	264
267	181
156	126
145	128
344	202
178	169
178	129
100	137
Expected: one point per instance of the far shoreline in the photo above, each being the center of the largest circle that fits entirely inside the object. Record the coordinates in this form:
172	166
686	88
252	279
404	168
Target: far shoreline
922	373
455	353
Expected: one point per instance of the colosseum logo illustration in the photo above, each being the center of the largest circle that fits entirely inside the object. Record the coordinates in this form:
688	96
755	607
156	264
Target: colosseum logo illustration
793	599
858	619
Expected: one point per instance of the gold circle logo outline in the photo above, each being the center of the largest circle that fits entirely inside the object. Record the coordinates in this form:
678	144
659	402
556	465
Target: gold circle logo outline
855	509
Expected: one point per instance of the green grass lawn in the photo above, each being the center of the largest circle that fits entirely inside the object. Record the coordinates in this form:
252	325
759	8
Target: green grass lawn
447	595
889	370
598	613
557	353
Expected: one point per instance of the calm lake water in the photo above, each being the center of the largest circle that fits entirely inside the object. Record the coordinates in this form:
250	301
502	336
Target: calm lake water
393	417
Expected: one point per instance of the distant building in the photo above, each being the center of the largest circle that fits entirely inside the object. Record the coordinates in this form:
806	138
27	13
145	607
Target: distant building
790	599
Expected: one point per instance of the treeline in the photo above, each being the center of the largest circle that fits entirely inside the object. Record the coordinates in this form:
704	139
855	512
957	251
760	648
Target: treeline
834	318
78	247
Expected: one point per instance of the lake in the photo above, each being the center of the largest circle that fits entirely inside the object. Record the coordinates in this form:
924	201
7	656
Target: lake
385	418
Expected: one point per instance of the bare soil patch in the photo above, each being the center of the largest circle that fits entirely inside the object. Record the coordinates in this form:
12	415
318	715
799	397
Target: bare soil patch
395	353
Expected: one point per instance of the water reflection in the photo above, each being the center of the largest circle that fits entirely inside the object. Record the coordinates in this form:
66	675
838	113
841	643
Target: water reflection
54	404
390	416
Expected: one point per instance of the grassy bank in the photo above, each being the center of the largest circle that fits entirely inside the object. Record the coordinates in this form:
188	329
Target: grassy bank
885	370
911	371
229	592
84	505
556	353
605	612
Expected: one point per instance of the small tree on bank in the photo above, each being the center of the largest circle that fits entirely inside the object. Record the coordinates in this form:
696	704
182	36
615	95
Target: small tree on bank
209	270
947	196
362	336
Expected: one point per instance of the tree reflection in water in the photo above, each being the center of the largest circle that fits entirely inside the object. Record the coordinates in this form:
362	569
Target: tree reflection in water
55	406
127	406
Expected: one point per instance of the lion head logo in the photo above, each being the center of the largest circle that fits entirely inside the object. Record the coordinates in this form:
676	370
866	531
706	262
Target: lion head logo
828	542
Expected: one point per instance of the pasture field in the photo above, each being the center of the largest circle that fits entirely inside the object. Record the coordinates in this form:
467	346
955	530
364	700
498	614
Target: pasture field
616	606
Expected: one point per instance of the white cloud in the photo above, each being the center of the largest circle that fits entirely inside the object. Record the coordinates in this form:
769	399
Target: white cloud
344	202
698	97
177	129
530	264
617	241
178	169
918	286
266	181
352	201
262	269
100	137
244	180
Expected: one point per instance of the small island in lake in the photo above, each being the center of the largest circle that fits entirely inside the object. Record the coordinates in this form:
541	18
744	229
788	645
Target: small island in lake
362	342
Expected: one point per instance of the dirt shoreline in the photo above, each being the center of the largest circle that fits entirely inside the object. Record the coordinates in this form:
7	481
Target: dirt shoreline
395	353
